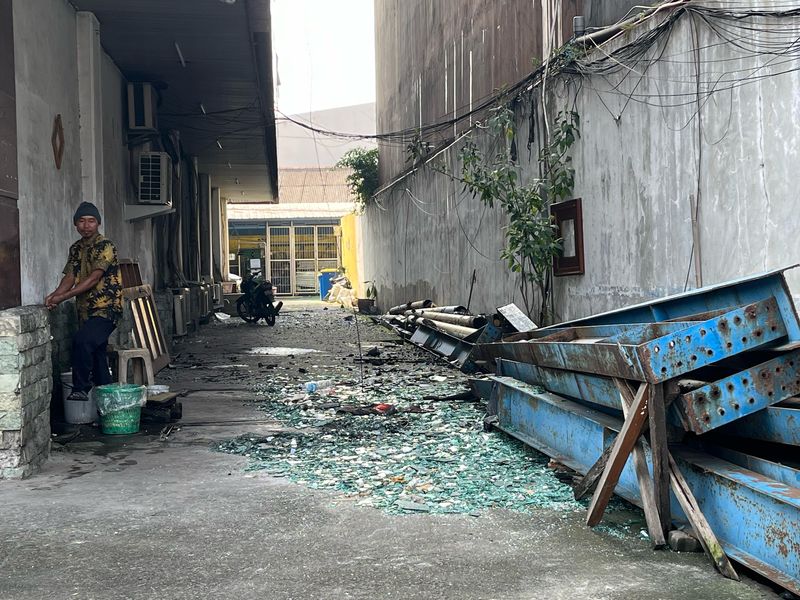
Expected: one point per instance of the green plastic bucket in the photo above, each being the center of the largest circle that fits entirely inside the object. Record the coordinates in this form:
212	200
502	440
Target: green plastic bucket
120	407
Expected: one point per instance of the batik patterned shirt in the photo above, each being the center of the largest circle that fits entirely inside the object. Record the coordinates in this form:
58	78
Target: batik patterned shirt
104	299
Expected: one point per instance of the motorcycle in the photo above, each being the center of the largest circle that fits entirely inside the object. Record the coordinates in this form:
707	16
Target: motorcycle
258	300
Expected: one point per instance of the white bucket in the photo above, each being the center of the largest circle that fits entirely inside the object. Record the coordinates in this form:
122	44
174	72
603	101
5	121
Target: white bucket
77	412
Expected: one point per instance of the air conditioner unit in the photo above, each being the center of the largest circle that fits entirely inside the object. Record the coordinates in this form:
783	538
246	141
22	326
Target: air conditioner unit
155	178
142	103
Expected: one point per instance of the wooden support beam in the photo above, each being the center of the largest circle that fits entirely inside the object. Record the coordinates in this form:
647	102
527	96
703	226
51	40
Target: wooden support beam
589	480
698	521
646	490
623	445
659	451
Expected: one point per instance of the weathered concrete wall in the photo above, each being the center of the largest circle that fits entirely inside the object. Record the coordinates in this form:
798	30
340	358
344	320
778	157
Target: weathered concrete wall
25	386
47	85
637	164
438	60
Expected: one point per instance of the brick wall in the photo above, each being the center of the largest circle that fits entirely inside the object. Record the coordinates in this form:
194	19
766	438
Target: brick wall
26	384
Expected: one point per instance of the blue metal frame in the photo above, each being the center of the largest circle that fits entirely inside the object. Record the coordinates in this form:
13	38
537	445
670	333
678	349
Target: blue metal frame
460	352
741	394
711	298
756	518
673	354
774	424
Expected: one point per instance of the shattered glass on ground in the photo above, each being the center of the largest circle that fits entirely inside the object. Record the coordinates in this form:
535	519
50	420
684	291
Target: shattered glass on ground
428	456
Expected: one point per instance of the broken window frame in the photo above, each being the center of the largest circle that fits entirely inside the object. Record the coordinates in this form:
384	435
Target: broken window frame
569	210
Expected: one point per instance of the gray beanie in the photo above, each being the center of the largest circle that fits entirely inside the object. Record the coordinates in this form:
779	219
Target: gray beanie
86	209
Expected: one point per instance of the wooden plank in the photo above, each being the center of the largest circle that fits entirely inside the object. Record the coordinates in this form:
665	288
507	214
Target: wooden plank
151	312
659	451
164	398
623	445
141	340
589	480
646	490
698	521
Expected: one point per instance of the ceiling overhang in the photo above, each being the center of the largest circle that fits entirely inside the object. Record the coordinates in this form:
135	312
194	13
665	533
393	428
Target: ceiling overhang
212	63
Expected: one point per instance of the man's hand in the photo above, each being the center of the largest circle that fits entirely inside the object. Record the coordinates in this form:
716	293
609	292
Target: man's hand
60	294
53	300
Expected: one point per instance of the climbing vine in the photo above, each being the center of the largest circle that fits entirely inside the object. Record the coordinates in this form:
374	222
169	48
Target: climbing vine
531	236
363	181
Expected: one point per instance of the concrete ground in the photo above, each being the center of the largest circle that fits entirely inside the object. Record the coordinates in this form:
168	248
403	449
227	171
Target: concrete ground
139	517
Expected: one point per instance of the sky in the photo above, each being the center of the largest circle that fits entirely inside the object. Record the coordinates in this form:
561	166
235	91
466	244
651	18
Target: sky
325	52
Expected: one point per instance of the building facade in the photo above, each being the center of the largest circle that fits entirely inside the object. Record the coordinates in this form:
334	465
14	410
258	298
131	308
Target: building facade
685	135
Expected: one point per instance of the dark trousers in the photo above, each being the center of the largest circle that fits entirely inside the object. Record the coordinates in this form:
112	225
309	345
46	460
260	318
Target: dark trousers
89	354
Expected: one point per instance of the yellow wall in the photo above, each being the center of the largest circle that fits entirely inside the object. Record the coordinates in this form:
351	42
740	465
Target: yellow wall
350	253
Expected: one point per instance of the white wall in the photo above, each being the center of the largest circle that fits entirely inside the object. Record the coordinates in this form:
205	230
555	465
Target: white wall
45	46
47	85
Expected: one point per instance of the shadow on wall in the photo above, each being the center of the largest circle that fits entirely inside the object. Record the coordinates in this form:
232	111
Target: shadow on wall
400	294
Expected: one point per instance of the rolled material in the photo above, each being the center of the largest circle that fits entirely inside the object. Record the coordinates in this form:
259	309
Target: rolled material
455	330
416	305
472	321
453	310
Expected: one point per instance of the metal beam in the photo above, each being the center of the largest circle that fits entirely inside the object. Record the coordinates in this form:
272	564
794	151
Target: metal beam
741	394
756	518
671	355
774	424
708	299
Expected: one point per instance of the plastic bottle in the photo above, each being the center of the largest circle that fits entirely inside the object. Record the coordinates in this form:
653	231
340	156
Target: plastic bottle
315	386
293	446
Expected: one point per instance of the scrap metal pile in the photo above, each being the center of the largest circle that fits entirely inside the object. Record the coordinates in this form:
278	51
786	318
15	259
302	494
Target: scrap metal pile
452	332
686	406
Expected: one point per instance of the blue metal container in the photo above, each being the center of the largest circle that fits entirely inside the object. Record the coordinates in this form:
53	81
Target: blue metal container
325	282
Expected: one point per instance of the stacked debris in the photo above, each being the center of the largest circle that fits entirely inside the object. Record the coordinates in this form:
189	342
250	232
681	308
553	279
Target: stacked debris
452	332
685	406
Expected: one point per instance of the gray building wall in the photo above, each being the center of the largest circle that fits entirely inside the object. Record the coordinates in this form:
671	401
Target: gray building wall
437	60
637	164
47	85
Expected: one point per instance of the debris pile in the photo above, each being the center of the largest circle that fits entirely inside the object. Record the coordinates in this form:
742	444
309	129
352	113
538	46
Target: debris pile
452	332
422	455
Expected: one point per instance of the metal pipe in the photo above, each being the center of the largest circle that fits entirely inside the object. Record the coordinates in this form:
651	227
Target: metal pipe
454	310
472	321
456	330
418	304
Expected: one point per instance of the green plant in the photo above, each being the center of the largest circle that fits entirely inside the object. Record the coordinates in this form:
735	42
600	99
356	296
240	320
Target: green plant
372	291
363	181
531	236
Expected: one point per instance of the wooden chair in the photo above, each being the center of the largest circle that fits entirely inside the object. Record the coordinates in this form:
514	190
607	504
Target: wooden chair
151	354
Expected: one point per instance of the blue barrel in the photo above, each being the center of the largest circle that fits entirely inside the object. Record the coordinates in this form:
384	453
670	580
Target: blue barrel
325	282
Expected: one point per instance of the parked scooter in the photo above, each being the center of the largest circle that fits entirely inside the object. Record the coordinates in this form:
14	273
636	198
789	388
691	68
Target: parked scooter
258	300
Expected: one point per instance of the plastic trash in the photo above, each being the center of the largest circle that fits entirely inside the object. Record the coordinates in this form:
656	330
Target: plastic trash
293	446
315	386
116	397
